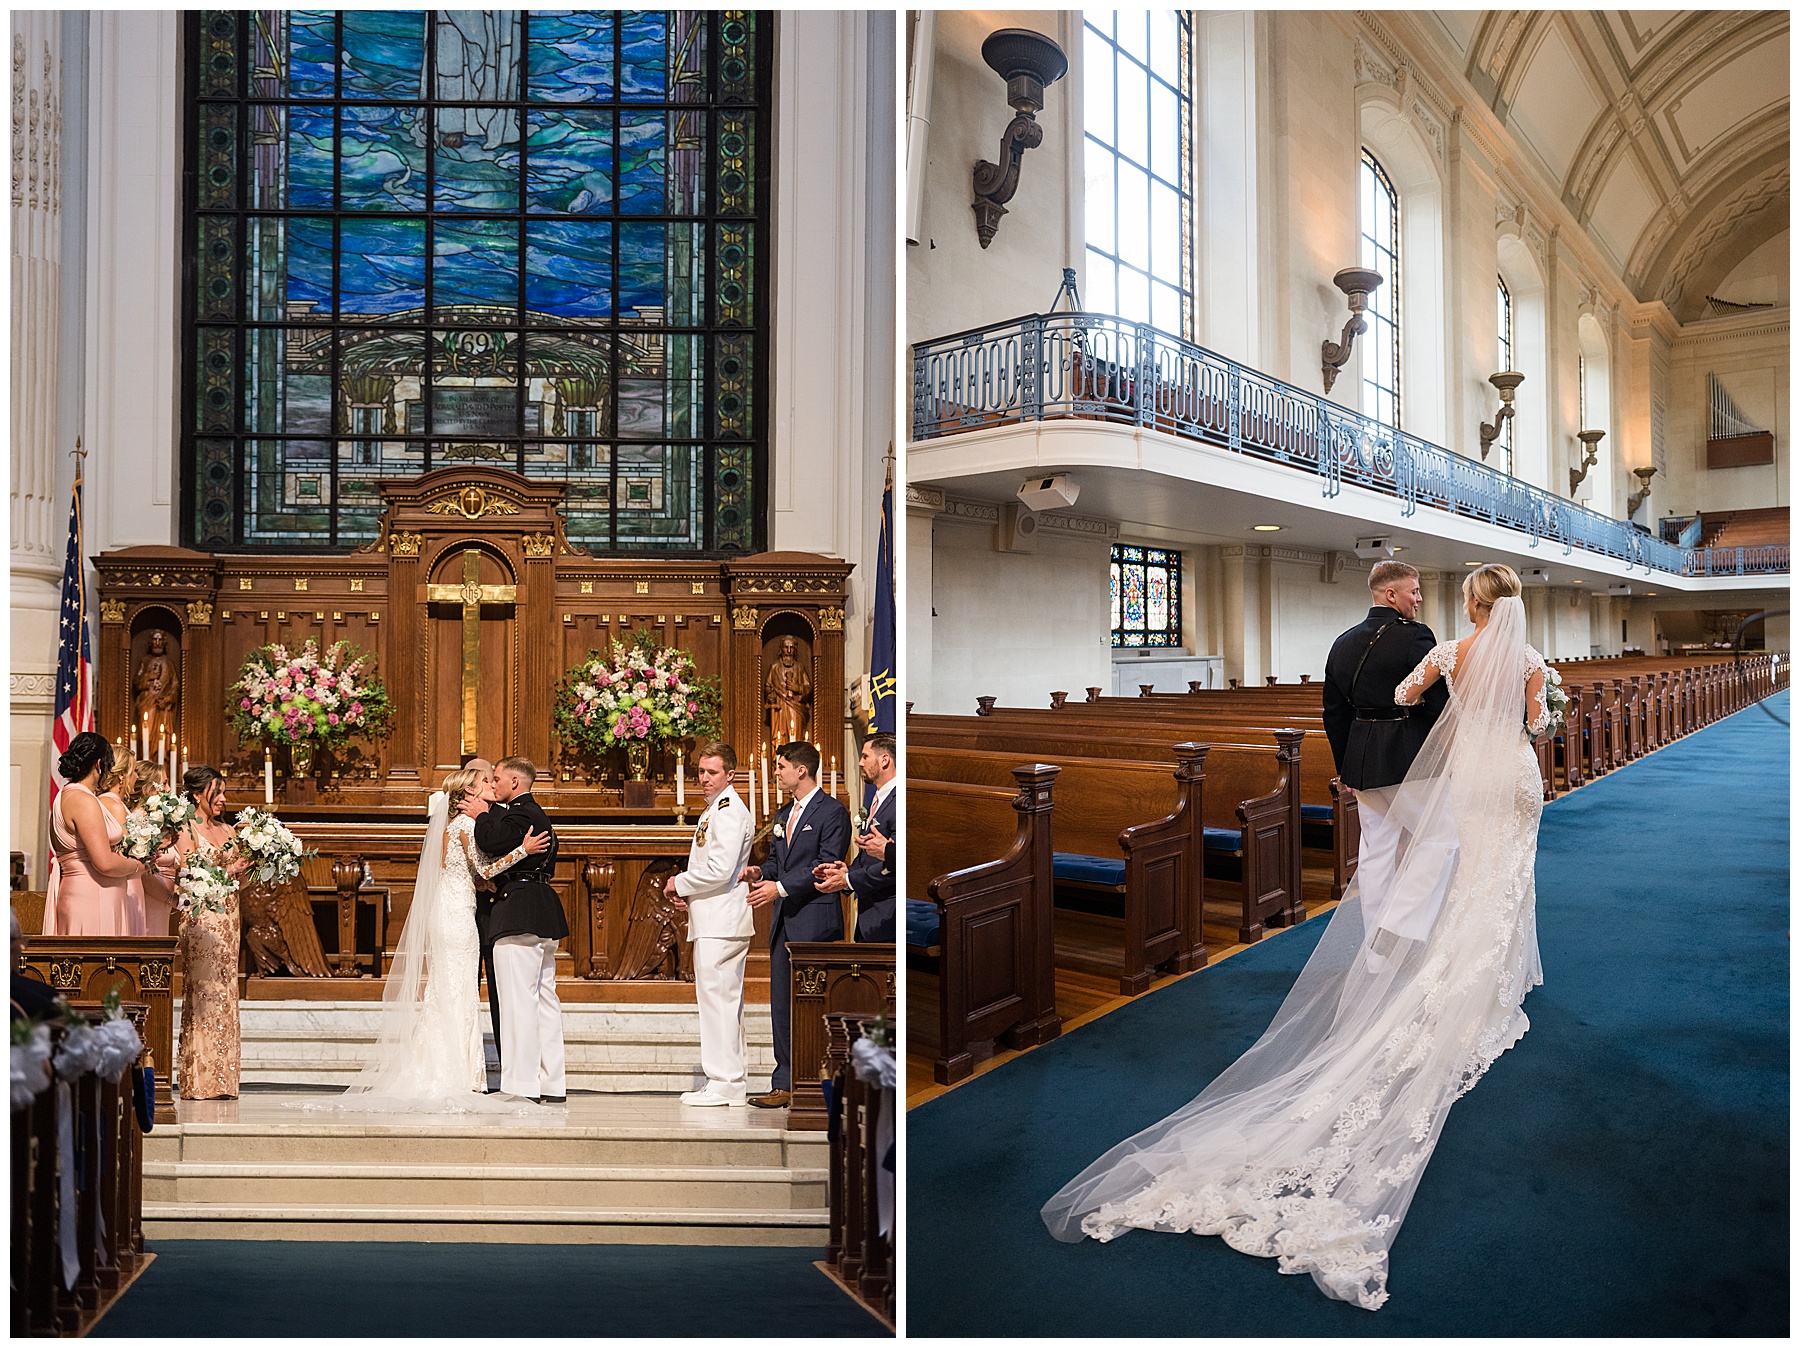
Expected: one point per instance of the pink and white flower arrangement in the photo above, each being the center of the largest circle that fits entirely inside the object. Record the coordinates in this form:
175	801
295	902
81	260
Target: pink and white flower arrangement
643	692
326	698
273	850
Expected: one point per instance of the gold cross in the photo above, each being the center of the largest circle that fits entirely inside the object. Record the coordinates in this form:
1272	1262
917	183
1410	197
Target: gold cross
471	594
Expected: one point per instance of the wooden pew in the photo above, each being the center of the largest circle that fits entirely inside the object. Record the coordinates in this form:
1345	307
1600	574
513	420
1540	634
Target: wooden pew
856	1249
982	856
1120	829
1143	730
829	977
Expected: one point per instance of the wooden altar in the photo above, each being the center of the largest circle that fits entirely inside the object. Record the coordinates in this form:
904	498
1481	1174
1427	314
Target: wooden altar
474	603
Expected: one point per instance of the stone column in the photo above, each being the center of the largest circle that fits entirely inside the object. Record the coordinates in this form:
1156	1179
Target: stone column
39	510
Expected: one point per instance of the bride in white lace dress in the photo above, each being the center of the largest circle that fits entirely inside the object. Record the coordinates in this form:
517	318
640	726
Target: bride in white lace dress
1308	1149
428	1052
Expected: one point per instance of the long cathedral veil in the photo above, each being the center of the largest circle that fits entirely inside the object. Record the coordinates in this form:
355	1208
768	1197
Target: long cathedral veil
418	1063
1310	1146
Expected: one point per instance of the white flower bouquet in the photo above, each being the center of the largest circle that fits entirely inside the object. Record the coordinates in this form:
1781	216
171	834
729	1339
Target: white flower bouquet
1556	701
161	819
203	886
274	852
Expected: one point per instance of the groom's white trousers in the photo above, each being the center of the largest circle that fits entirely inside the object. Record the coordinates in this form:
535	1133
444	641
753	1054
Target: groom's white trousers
719	989
1405	904
531	1034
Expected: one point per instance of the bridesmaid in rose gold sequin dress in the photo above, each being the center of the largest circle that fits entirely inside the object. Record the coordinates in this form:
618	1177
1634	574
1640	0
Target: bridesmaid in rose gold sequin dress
207	1060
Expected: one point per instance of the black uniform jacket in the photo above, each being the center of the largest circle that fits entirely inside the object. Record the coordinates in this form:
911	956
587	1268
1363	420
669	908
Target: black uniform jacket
526	905
1373	740
873	879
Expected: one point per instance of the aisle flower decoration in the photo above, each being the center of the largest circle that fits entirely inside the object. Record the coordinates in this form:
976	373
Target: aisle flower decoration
203	886
274	852
642	694
313	698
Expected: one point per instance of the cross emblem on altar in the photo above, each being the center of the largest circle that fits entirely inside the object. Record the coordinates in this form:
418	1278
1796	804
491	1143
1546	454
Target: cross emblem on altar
471	595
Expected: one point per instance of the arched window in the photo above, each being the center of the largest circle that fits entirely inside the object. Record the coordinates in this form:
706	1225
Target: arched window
1138	115
1380	216
529	239
1506	360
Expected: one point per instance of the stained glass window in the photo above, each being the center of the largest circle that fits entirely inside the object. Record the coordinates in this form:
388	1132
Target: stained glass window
1380	215
1146	596
1137	73
528	239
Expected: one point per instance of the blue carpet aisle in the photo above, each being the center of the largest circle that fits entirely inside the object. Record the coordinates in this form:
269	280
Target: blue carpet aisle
273	1288
1624	1170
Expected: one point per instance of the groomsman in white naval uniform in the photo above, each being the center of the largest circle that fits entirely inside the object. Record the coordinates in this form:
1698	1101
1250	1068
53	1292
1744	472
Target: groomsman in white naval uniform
721	926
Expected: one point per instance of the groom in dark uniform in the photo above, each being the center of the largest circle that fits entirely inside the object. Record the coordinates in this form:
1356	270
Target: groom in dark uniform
811	828
1373	740
524	927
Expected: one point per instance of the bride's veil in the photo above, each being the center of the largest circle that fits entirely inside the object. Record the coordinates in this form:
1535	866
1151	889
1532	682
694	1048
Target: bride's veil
401	1035
1314	1140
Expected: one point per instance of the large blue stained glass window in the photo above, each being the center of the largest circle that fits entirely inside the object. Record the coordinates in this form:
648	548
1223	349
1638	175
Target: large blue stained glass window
1146	596
524	238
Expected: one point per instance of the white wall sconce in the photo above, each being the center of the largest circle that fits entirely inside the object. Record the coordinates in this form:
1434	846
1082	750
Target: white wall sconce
1637	498
1028	62
1356	283
1591	444
1507	381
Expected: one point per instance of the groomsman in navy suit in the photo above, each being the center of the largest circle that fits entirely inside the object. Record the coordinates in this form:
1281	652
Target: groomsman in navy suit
811	828
870	872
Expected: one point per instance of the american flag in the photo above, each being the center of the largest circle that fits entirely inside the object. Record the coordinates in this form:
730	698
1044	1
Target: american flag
74	665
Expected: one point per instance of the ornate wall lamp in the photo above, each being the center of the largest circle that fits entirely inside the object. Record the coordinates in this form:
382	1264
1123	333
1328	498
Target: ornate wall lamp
1591	441
1638	497
1356	283
1507	381
1027	61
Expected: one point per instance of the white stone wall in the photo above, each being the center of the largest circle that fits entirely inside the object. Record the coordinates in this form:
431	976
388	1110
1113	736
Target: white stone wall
1015	626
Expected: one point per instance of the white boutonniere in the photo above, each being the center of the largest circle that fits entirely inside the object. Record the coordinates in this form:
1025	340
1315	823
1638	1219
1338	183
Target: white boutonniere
780	832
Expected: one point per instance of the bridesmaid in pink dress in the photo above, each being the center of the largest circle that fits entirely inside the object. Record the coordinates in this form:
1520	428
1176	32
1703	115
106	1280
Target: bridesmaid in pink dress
115	786
86	894
159	902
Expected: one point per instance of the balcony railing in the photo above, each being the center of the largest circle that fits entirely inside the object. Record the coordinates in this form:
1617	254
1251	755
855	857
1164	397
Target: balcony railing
1096	367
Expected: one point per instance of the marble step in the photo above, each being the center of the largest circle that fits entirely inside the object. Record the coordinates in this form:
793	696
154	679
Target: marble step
625	1047
358	1143
660	1189
487	1224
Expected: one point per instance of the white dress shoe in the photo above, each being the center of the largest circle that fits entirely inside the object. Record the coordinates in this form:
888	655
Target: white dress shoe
706	1098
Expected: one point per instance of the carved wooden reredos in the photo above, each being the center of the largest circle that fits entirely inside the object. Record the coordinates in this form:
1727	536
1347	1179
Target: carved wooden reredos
542	604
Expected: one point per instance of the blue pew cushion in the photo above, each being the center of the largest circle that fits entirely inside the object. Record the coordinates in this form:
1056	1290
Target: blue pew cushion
1318	814
922	922
1224	840
1079	869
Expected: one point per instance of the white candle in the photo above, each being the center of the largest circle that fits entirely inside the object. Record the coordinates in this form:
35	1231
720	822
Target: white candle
184	762
162	746
268	778
764	762
834	777
750	782
680	784
146	754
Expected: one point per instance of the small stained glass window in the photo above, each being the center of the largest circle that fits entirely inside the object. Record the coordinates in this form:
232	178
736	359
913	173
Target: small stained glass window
534	240
1146	596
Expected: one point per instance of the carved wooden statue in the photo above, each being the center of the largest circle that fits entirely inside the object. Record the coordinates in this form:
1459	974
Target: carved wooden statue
278	928
154	687
653	933
787	693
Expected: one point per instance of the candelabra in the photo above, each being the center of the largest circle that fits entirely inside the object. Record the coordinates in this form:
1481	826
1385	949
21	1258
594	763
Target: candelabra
1027	61
1638	497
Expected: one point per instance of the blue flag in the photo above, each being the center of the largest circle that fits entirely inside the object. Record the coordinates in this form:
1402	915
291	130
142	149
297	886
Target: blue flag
882	684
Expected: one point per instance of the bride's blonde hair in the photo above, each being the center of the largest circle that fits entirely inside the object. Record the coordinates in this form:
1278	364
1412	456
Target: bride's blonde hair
460	783
1492	583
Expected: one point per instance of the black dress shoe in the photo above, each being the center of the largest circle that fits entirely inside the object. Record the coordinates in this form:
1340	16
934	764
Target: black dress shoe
553	1100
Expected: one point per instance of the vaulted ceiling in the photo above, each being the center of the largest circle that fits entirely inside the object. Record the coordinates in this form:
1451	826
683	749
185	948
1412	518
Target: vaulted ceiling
1665	131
